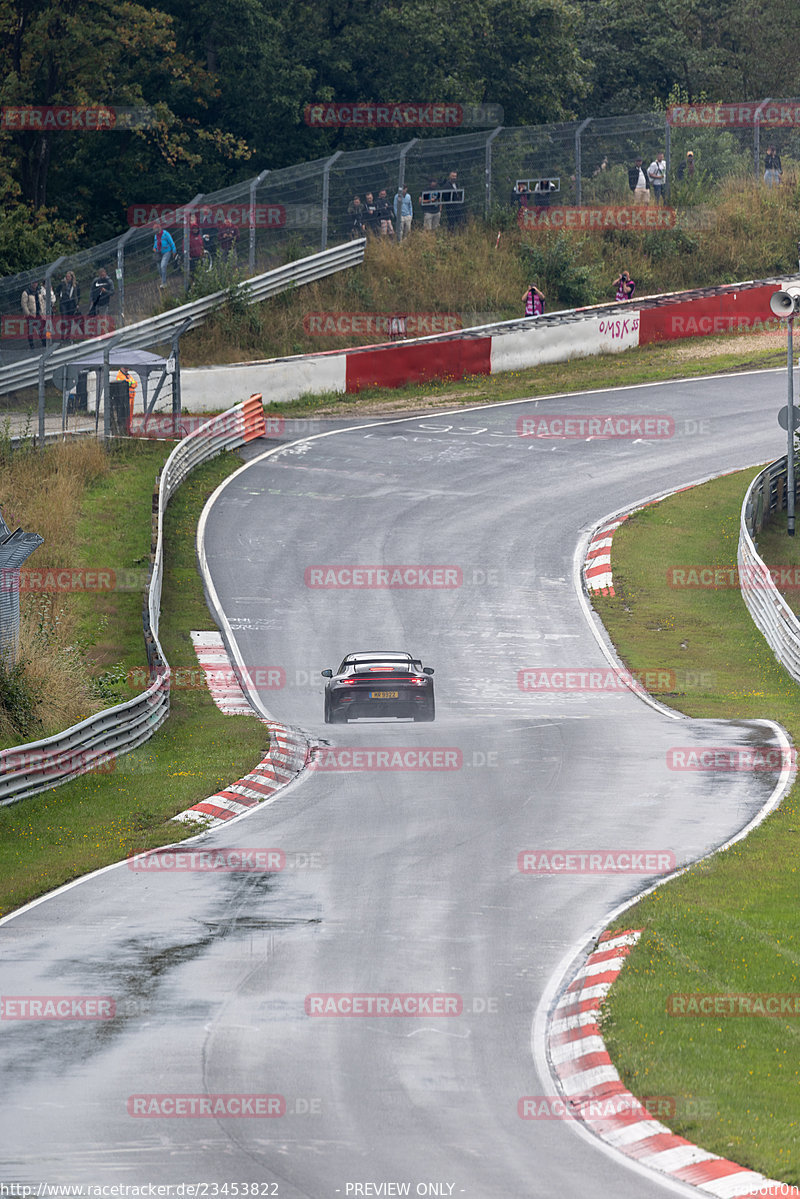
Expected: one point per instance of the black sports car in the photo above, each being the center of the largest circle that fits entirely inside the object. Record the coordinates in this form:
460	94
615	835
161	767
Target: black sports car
379	683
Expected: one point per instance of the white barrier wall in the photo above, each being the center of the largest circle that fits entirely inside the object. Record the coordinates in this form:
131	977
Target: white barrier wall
558	343
209	388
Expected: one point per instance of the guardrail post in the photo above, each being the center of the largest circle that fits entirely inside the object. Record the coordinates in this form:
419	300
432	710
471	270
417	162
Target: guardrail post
578	132
667	154
251	254
326	178
487	169
42	360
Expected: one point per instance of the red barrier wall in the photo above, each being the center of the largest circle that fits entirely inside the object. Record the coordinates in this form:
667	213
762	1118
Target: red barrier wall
711	314
396	365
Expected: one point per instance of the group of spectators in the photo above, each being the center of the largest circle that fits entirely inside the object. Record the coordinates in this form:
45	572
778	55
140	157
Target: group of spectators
206	240
378	217
67	295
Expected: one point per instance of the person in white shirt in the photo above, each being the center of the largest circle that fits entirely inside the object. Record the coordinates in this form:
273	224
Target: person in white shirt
657	174
638	182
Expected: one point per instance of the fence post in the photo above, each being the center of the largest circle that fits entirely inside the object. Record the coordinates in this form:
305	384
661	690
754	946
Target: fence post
401	178
48	303
757	136
326	179
121	271
578	132
488	170
251	255
15	548
667	153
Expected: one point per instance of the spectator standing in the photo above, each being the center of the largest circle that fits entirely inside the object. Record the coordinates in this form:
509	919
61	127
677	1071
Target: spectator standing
209	230
163	248
456	211
520	195
686	168
403	212
34	305
124	375
196	247
772	167
533	300
372	222
101	293
384	213
625	286
69	295
227	239
431	208
638	182
355	210
657	174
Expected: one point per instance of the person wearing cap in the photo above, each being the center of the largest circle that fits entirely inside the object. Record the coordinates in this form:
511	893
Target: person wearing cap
686	168
638	182
431	206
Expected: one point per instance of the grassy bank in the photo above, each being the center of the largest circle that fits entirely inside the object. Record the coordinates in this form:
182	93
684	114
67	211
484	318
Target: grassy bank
744	231
70	830
730	924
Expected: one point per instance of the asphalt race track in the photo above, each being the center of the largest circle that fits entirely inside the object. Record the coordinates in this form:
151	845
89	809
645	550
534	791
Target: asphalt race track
398	881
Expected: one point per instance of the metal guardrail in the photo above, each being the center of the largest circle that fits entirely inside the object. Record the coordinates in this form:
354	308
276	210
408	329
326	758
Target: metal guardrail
769	610
94	743
158	329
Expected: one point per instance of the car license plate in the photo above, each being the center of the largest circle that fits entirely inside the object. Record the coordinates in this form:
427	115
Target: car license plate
384	694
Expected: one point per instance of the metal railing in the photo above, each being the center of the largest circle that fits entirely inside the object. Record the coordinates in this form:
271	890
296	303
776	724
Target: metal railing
28	769
158	329
769	610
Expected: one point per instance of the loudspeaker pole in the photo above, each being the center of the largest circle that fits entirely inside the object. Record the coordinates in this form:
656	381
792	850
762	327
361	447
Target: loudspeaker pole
790	431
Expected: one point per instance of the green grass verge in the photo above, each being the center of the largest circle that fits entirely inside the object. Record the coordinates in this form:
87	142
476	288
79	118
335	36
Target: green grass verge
729	925
65	832
642	364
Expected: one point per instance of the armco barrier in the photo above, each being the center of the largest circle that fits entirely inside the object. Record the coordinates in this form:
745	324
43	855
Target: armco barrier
28	769
490	349
772	615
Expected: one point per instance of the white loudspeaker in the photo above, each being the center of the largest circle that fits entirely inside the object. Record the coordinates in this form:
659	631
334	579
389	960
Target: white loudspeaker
784	303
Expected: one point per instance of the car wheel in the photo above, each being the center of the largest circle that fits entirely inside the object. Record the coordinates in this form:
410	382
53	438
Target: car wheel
339	717
327	710
427	713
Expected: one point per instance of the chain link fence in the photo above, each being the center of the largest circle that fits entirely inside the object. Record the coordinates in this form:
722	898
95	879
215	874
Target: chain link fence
281	215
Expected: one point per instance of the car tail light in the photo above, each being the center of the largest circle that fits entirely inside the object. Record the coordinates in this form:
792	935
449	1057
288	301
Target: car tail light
417	682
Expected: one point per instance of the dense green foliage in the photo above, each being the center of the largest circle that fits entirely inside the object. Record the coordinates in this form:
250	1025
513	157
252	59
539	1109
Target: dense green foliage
228	81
